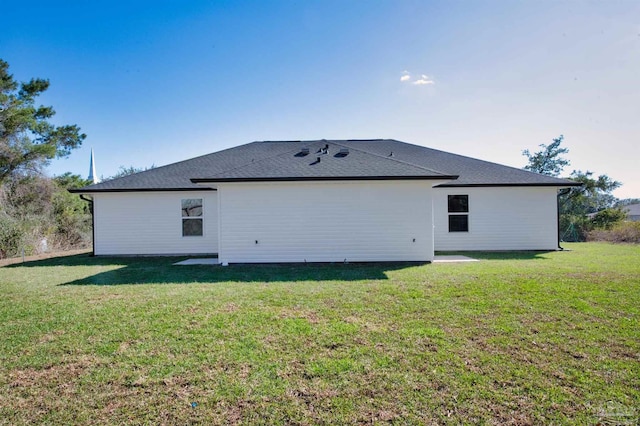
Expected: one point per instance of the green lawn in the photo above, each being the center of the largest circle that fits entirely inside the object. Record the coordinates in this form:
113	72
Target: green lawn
520	338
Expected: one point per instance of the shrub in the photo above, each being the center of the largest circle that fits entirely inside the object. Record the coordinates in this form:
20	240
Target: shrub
622	232
38	213
11	236
608	218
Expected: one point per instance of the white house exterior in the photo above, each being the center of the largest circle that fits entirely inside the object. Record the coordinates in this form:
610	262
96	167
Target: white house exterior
325	201
326	221
150	223
499	218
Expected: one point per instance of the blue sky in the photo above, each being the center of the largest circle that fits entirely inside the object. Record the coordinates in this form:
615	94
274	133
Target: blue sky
163	81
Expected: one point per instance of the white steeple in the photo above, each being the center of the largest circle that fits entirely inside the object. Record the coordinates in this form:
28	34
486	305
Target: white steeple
92	170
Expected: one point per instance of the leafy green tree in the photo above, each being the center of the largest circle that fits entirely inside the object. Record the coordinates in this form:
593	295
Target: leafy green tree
594	195
126	171
71	181
28	140
549	160
71	215
605	219
627	202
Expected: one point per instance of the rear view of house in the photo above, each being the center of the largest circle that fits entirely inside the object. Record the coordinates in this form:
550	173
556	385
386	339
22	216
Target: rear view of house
325	201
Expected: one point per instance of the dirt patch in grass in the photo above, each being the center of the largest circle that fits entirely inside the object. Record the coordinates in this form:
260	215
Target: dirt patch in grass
36	392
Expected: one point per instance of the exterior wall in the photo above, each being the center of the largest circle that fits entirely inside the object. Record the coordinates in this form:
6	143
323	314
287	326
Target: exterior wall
146	223
326	222
500	218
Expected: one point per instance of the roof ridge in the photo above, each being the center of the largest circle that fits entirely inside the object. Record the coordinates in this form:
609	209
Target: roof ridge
327	141
392	158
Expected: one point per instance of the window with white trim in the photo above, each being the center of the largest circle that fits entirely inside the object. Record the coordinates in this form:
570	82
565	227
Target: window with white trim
192	217
458	205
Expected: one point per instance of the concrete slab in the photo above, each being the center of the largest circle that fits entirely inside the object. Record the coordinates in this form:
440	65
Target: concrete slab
202	261
437	259
453	259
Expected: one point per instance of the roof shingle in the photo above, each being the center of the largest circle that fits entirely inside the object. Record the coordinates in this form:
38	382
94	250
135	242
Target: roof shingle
366	160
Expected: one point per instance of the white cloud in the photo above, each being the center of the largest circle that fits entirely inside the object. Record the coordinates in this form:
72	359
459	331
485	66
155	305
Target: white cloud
423	80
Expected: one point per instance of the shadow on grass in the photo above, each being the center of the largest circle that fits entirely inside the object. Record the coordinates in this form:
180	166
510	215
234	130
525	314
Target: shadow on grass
500	255
160	270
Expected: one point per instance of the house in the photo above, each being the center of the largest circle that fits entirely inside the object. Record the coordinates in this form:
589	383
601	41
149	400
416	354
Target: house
325	201
633	212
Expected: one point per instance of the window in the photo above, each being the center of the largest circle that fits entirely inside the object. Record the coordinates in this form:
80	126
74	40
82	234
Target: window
192	217
458	204
458	223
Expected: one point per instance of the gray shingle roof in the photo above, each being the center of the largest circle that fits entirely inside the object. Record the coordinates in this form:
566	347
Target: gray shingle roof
366	160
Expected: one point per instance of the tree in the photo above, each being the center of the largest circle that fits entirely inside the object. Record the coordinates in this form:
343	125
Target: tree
28	140
71	215
126	171
37	210
71	181
605	219
549	161
627	202
593	195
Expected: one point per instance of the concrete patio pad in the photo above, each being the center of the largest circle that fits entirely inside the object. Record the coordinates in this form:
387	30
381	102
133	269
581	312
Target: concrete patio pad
453	259
437	259
201	261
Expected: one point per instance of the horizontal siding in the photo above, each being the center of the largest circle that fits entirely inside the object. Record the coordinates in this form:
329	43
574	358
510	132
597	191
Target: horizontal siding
147	223
500	219
325	222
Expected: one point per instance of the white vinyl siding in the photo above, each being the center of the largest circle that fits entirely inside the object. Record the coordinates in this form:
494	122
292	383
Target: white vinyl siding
326	222
500	218
147	223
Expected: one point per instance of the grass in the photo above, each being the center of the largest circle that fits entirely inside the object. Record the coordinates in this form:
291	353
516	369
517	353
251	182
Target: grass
519	338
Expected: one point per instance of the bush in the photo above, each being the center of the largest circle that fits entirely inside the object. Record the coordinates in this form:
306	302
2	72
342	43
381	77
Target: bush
38	214
623	232
11	236
608	218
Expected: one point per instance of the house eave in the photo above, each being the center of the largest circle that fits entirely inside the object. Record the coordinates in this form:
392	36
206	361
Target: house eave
96	191
499	185
319	178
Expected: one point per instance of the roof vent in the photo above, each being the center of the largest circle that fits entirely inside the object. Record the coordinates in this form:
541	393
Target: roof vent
303	152
343	152
391	155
